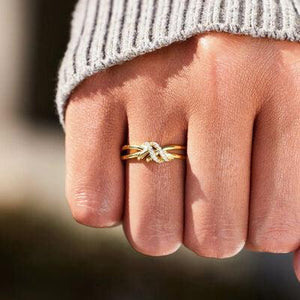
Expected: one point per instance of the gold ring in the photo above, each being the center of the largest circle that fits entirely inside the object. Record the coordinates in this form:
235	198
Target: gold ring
152	151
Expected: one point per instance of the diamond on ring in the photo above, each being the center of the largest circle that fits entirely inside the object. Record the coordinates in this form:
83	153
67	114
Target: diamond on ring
152	151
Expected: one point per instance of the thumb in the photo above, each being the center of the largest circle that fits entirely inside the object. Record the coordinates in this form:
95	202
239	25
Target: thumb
297	263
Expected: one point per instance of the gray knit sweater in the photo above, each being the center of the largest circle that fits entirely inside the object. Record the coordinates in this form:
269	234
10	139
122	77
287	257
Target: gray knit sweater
109	32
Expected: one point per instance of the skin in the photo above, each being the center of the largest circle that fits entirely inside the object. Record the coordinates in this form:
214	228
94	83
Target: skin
235	102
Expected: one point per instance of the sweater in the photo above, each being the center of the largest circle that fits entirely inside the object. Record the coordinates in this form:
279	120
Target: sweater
109	32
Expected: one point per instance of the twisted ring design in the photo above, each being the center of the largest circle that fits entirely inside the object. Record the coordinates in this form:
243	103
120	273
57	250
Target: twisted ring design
152	151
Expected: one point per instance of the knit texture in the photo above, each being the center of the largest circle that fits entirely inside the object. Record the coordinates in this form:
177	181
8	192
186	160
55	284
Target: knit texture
108	32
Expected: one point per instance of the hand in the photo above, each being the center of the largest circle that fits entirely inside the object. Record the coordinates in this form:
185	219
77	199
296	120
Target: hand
235	101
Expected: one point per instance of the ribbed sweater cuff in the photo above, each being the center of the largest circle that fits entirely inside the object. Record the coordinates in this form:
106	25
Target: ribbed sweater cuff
108	32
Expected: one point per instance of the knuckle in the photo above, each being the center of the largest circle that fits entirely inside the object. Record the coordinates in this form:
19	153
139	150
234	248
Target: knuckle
289	58
275	238
218	243
92	218
89	208
158	248
155	243
217	249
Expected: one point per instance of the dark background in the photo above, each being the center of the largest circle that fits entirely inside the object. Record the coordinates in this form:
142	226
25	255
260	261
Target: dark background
44	254
51	34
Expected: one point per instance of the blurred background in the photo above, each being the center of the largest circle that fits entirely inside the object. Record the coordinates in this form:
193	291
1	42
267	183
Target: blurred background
44	254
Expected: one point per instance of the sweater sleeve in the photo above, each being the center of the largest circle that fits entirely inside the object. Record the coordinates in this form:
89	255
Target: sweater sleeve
109	32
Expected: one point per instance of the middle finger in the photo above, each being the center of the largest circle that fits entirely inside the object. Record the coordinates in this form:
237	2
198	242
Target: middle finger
153	219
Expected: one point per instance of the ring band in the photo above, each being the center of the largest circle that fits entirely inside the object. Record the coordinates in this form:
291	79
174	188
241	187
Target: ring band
152	151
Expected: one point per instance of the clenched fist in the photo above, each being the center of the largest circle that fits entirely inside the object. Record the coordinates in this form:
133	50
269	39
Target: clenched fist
235	102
